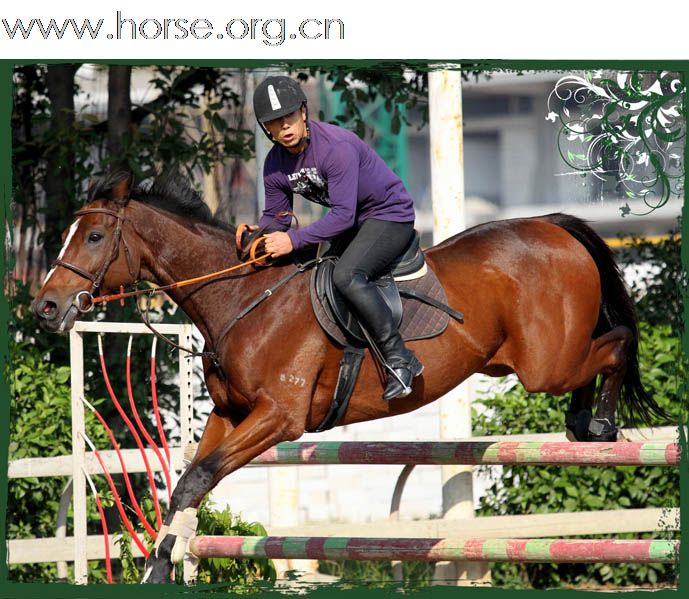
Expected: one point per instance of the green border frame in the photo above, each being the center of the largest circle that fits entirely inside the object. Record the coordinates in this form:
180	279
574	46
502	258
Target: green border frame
30	590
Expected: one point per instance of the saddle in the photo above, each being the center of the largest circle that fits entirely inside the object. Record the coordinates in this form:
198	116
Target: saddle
409	278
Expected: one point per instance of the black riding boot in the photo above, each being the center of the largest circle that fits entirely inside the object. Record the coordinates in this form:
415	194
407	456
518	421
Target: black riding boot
370	305
404	365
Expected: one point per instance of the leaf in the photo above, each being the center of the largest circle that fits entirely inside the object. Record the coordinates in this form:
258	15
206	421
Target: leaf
62	375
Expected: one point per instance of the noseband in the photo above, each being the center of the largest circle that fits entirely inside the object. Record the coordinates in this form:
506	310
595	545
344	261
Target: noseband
97	279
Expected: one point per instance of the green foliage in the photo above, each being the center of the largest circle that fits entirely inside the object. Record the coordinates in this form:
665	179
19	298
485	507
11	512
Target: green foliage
529	490
171	132
658	296
40	426
242	576
130	572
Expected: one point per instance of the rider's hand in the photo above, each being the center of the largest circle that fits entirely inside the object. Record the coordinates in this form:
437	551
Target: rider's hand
278	244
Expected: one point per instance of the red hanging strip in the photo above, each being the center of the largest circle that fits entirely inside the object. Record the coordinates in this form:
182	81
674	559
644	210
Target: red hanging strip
132	429
103	525
156	410
132	497
118	502
140	424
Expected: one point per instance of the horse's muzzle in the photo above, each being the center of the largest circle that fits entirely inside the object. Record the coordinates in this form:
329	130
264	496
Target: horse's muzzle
52	317
45	309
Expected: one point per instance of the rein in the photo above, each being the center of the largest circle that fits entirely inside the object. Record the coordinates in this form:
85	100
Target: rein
300	268
124	295
150	292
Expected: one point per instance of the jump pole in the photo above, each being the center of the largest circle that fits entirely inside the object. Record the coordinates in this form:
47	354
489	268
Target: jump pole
609	551
473	453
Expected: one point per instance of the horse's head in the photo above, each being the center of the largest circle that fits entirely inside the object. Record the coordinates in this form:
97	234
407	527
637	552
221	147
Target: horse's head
97	257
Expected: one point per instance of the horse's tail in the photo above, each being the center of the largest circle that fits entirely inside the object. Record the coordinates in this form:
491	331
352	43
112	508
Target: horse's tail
617	308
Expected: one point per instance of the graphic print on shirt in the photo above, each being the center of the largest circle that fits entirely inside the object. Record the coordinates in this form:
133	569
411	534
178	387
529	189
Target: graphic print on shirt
308	183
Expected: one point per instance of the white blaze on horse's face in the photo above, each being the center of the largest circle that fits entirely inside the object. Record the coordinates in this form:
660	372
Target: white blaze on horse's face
72	231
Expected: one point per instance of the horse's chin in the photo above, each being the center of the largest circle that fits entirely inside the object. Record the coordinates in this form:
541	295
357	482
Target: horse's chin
61	325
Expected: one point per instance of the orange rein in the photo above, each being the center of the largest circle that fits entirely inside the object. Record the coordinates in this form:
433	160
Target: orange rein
260	261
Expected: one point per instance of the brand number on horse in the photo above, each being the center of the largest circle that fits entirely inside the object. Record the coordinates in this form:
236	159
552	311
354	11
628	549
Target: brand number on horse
294	380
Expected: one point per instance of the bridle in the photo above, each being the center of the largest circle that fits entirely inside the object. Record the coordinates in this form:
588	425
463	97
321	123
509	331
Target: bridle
97	279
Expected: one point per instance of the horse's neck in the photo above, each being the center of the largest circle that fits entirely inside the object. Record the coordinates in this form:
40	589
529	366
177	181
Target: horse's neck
176	251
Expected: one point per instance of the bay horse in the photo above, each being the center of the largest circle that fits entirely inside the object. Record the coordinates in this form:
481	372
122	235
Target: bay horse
542	297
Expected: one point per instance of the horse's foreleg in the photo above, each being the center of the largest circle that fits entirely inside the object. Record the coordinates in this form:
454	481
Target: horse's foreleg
222	450
159	565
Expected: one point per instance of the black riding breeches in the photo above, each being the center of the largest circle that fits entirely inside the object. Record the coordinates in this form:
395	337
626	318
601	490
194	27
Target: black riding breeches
374	247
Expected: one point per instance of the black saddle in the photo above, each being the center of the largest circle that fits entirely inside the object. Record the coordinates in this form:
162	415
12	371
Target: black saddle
409	262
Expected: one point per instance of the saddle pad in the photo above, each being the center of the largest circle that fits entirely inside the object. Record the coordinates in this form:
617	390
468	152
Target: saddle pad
419	320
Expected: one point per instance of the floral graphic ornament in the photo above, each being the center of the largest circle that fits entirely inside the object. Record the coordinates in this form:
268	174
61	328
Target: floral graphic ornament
627	131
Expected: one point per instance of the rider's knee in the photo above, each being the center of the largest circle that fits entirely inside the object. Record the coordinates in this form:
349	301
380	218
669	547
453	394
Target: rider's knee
347	280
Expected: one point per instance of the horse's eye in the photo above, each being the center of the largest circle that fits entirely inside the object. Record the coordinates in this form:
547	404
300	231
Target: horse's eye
95	237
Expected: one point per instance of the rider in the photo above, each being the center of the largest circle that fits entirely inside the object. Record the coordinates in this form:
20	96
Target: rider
331	166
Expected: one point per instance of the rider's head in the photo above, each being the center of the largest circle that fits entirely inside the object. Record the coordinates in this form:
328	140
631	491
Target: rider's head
280	108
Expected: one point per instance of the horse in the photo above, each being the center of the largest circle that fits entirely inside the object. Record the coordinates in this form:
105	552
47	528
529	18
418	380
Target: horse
542	297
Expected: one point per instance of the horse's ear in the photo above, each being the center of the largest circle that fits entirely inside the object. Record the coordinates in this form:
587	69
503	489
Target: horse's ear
120	191
93	184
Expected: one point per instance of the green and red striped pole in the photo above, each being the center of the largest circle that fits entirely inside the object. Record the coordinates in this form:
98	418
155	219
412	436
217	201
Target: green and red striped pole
608	551
473	453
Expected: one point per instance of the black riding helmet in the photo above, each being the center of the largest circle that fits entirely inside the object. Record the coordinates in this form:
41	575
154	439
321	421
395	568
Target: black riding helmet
275	97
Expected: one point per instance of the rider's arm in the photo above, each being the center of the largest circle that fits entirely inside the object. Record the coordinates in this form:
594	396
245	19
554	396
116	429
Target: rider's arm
341	170
279	198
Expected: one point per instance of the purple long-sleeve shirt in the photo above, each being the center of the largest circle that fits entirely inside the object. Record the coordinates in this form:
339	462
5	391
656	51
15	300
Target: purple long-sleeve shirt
337	170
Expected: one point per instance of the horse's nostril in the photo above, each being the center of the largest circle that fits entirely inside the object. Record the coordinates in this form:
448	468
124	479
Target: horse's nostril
48	309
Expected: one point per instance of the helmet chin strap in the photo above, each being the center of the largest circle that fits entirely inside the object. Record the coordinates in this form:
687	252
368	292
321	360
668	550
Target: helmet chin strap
303	142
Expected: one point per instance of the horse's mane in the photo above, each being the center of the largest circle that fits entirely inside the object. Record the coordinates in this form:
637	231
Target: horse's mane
170	192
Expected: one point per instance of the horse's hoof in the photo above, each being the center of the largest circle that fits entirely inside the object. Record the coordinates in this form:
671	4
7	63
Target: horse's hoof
602	430
153	577
577	425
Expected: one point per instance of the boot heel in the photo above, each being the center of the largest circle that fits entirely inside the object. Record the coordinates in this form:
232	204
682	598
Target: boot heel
416	367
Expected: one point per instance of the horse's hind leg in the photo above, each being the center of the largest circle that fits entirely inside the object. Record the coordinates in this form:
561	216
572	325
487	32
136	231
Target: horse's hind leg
578	417
608	356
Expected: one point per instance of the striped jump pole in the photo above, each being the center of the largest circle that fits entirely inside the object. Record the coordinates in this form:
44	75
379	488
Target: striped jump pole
609	551
473	453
